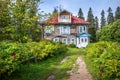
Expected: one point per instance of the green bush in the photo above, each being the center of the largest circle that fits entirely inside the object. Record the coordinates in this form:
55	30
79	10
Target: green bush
104	60
13	54
110	32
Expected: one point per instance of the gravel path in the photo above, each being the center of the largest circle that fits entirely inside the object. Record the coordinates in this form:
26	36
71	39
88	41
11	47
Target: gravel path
81	72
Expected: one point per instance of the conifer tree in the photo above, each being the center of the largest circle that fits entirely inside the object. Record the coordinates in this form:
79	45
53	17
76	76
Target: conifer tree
110	18
117	13
96	23
103	21
80	14
92	29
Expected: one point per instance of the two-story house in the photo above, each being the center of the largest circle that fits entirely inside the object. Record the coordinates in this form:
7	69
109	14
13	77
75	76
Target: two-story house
67	29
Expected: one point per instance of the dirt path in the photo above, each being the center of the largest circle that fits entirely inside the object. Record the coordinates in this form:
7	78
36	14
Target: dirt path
79	72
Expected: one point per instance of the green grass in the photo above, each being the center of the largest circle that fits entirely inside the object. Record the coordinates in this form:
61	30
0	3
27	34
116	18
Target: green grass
47	67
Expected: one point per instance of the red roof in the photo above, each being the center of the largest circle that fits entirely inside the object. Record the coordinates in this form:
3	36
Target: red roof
75	20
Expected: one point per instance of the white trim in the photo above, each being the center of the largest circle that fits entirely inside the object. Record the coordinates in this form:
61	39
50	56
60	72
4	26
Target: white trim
66	42
56	39
71	41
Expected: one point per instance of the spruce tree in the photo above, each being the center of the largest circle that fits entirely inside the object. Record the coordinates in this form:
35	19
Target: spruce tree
92	29
110	18
117	13
103	21
96	23
55	10
80	14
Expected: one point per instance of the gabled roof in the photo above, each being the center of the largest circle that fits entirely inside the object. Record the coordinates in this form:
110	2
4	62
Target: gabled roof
74	20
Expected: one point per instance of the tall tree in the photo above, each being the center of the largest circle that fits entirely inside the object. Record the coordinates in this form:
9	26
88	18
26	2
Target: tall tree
96	23
92	29
110	18
103	21
117	13
55	10
80	14
23	21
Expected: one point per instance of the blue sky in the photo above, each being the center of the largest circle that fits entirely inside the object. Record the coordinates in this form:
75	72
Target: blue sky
74	5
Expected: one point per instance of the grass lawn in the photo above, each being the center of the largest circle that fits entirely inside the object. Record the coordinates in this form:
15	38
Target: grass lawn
51	66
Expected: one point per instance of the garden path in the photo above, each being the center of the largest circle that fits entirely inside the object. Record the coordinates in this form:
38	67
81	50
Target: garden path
80	72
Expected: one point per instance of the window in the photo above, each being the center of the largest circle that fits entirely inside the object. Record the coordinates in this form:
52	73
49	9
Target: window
64	40
73	41
64	17
82	29
56	39
64	30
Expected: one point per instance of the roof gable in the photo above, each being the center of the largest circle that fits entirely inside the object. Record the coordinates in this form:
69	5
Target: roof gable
74	20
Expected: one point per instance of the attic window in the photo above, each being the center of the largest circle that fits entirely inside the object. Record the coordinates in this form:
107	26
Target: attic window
64	17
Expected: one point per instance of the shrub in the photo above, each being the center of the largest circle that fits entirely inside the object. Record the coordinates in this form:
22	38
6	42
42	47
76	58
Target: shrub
110	32
104	60
12	54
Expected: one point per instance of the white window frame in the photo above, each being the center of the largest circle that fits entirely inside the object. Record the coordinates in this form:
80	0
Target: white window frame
64	31
82	29
64	41
74	42
56	39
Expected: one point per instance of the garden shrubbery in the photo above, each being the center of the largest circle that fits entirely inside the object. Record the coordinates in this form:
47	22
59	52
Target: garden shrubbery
110	32
103	59
13	54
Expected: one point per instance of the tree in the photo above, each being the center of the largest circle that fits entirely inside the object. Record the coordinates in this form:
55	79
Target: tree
4	13
110	18
103	21
55	10
110	32
96	23
80	14
117	13
23	21
92	29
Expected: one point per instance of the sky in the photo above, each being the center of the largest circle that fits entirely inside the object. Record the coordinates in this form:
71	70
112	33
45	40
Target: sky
73	6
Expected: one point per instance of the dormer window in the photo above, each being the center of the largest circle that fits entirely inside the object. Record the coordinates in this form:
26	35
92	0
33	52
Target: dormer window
64	17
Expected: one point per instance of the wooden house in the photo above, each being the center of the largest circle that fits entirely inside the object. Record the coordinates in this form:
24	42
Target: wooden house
67	29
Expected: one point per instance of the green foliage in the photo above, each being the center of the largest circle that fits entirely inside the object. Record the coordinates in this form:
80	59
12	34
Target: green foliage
91	27
117	13
110	17
110	32
80	14
22	16
13	54
104	60
103	20
72	45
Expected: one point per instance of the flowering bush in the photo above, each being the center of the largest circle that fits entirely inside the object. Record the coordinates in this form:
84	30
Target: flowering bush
12	54
104	59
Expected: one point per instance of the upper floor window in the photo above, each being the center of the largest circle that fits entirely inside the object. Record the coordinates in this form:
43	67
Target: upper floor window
64	29
82	29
